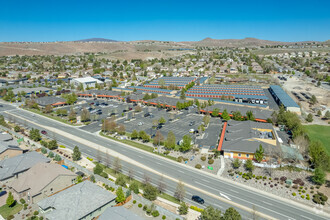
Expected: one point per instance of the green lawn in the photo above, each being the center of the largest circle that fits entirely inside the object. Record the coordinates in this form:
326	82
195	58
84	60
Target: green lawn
321	133
6	211
50	116
139	145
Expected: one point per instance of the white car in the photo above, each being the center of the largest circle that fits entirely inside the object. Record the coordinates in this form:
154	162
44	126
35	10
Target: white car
192	130
140	123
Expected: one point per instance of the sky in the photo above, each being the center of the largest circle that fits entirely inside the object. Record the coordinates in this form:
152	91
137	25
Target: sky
168	20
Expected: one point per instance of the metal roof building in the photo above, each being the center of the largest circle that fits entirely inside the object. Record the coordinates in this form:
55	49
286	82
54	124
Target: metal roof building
180	82
238	93
282	98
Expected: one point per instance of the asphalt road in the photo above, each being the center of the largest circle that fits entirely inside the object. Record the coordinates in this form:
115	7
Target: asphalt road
251	199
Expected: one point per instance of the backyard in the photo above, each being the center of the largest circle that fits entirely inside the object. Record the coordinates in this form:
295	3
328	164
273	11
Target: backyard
6	211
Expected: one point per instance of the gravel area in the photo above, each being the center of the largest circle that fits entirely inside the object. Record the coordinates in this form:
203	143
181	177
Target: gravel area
277	187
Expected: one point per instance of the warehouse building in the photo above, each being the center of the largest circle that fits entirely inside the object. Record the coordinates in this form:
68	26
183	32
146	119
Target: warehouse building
282	98
237	93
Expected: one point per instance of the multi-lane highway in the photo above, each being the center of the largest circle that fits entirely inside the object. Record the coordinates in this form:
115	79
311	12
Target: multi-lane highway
212	187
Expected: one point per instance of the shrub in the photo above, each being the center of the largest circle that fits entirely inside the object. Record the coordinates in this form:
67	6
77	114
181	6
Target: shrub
303	191
295	186
22	201
203	158
276	179
134	186
180	159
10	217
61	146
283	178
44	150
121	181
312	187
196	208
294	194
198	166
25	206
90	159
308	198
155	213
299	182
145	207
301	187
302	196
139	205
317	187
287	186
104	175
271	186
270	178
312	191
264	177
148	211
211	161
134	201
35	213
163	217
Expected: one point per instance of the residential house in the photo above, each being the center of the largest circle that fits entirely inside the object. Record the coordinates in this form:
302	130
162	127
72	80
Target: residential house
86	82
118	213
8	147
82	201
40	181
12	168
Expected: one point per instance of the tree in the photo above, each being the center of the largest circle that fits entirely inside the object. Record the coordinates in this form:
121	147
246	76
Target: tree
170	141
48	109
10	200
237	116
85	115
206	120
249	165
210	213
35	134
120	195
134	134
134	186
259	153
52	145
121	181
309	117
225	115
162	120
327	115
231	214
17	128
117	165
250	116
158	139
313	100
319	176
183	208
72	115
76	155
150	192
318	155
107	158
57	157
121	129
70	98
236	163
98	169
215	112
180	192
186	143
319	113
182	96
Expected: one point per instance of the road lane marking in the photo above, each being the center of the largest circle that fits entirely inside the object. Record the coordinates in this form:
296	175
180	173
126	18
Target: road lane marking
140	156
305	217
223	195
233	191
268	203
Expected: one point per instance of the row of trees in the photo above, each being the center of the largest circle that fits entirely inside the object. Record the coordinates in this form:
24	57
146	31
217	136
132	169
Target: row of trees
237	115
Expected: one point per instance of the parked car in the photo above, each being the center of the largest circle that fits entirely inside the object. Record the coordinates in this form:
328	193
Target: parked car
192	130
197	199
43	132
192	123
147	114
3	193
159	127
140	123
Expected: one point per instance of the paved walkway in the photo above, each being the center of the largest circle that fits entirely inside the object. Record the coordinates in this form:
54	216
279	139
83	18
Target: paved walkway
222	166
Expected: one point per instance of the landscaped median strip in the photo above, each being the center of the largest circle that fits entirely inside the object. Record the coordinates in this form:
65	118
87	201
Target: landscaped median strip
133	162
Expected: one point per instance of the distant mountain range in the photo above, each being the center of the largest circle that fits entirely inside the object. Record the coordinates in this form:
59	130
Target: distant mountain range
131	49
96	40
246	42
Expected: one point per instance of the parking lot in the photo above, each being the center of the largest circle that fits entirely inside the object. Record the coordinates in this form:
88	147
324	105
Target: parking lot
180	123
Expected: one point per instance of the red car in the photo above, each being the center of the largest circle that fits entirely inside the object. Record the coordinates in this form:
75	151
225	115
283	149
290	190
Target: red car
43	132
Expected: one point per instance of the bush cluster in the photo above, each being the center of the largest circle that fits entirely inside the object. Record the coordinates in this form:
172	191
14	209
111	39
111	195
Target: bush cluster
196	208
320	198
198	166
203	158
299	182
211	161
